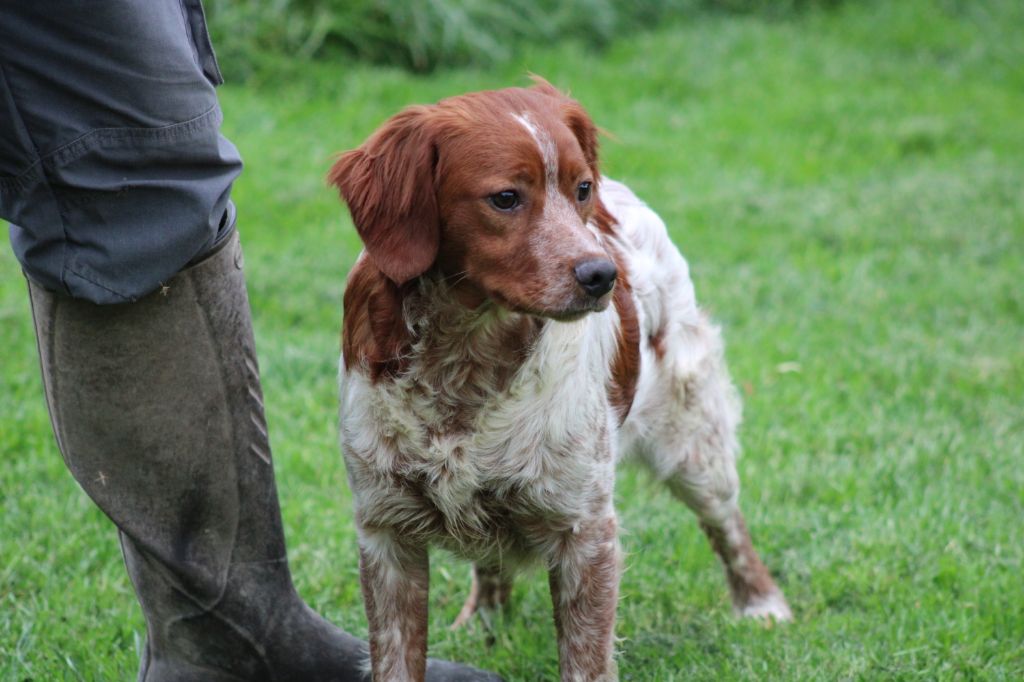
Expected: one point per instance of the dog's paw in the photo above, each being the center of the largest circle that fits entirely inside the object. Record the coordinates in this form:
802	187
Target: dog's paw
771	607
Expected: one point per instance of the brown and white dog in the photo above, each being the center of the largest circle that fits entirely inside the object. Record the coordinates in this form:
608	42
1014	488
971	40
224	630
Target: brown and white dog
515	326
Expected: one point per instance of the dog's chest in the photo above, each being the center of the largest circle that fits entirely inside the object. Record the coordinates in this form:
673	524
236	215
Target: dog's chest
481	450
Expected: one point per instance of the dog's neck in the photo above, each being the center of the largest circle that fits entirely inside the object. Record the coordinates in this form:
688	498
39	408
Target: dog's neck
463	355
445	330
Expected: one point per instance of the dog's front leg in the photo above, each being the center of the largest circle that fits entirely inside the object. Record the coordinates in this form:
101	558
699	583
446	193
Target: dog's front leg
395	579
584	579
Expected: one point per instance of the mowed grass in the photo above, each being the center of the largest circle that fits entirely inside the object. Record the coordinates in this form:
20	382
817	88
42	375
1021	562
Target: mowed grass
849	190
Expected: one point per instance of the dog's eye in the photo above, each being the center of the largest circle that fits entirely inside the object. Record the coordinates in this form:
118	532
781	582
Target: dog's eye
583	191
504	201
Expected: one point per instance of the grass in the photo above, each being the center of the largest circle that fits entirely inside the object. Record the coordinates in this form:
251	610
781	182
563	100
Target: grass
848	189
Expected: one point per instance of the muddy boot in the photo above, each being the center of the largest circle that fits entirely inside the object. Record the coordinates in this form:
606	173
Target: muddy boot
158	412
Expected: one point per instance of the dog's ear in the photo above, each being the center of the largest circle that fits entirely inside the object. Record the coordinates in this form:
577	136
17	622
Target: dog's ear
389	186
576	117
583	128
543	86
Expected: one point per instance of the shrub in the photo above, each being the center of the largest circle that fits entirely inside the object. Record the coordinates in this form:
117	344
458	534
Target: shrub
424	34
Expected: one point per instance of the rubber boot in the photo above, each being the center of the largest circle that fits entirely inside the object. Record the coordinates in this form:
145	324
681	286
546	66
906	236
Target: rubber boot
157	409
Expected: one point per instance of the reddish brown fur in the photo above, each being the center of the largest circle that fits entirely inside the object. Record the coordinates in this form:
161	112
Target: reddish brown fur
626	366
373	331
388	184
497	262
414	191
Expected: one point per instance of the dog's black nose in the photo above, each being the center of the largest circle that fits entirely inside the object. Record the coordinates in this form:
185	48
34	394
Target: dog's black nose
596	276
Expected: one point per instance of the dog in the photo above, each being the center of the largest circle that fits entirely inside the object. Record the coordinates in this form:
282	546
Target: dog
514	326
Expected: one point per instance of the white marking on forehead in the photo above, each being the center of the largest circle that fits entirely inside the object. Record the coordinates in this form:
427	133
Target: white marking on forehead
548	150
559	212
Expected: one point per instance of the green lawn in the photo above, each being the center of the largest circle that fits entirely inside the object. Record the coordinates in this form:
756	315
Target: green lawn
849	190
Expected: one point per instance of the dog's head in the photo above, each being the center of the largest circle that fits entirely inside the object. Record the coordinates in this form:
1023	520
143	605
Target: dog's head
496	190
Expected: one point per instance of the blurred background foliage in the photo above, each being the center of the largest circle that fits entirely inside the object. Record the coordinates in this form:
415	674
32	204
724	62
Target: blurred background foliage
423	35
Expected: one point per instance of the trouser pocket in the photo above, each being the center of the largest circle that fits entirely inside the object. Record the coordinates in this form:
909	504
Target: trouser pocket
196	18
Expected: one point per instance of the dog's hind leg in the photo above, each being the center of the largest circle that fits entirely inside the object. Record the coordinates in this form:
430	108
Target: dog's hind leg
489	592
754	593
689	424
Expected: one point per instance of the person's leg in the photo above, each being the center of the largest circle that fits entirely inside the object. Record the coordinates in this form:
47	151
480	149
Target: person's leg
156	404
112	169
